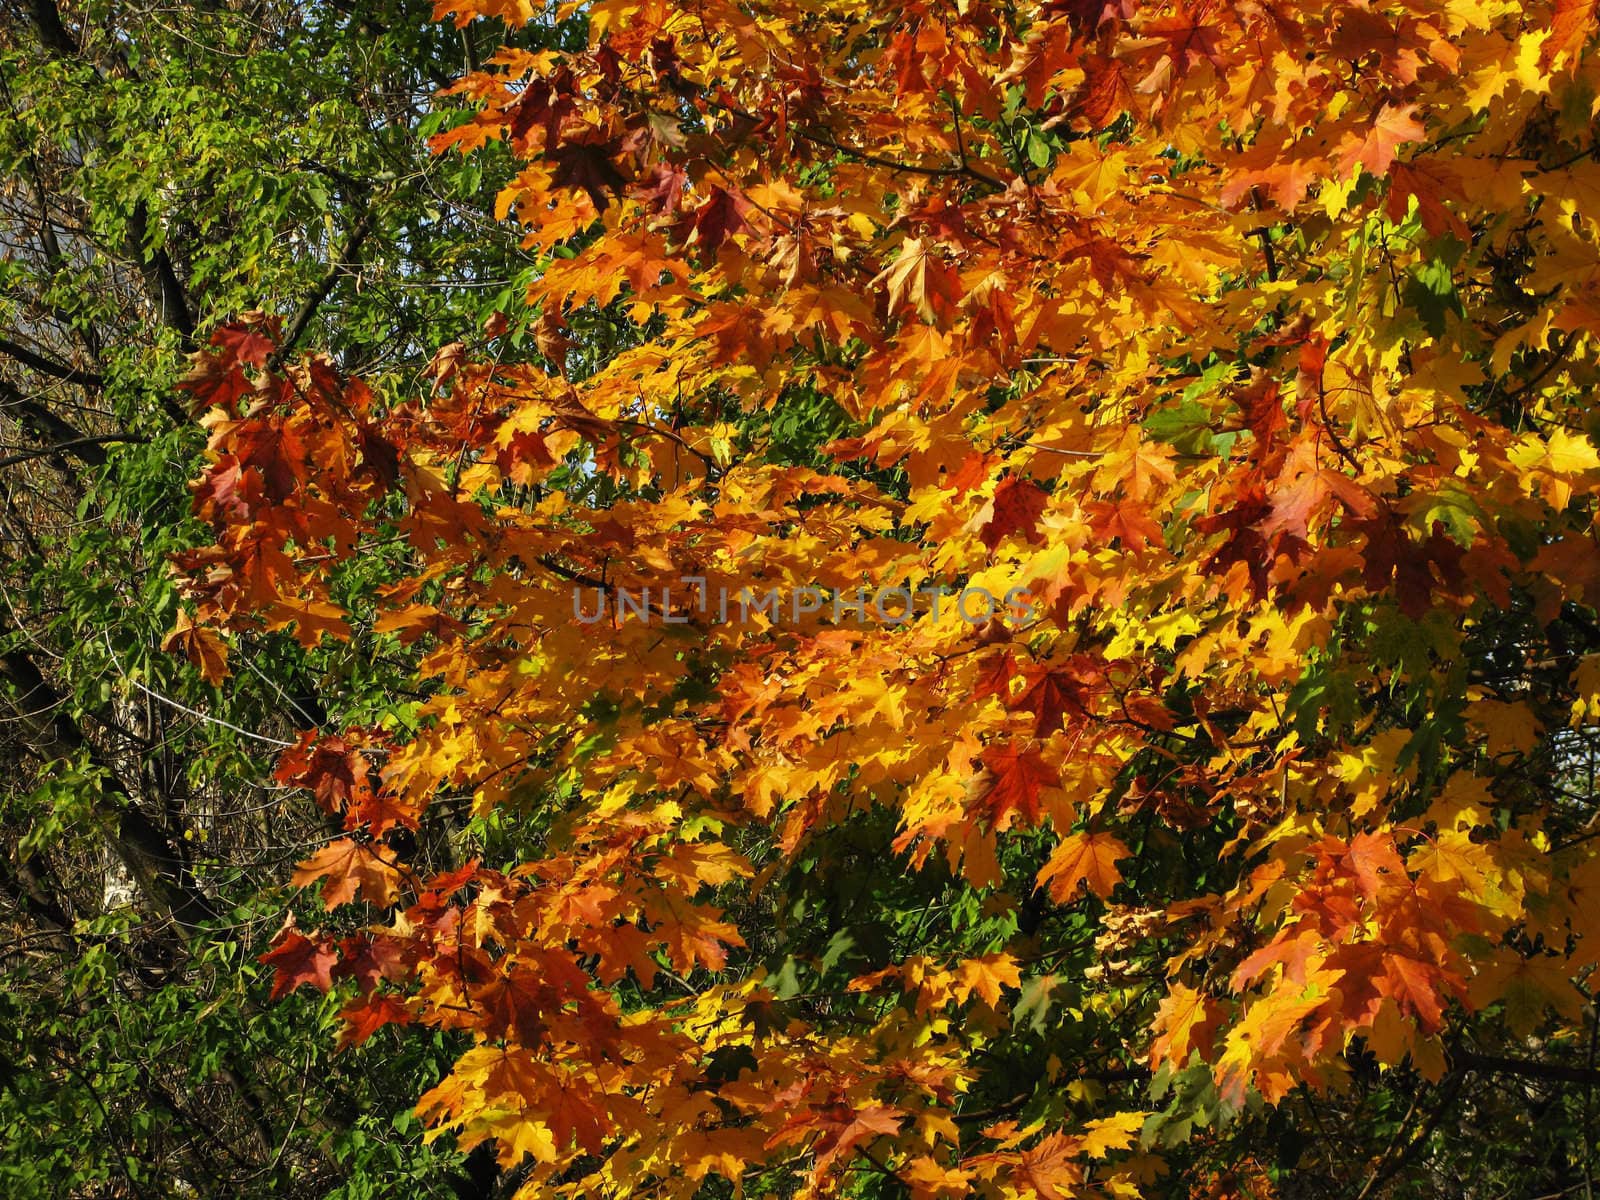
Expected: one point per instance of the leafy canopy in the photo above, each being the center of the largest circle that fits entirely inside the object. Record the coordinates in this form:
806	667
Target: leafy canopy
1250	345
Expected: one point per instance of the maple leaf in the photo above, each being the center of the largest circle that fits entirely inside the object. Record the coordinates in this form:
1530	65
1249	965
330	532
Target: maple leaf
515	1004
720	217
1295	947
1415	986
1430	185
444	364
838	1127
1016	508
695	938
1571	26
1091	14
987	975
226	493
661	188
1453	855
331	767
574	1117
918	279
1048	1170
1375	148
248	341
1055	692
1392	556
1286	180
1086	858
690	865
214	381
1106	91
1110	264
448	883
370	958
417	620
312	619
366	1016
974	469
544	103
1016	779
1529	988
300	960
929	1180
202	646
1111	1133
276	449
1376	864
589	166
1189	37
1310	494
1553	465
379	456
1127	522
995	676
1136	465
346	867
1185	1021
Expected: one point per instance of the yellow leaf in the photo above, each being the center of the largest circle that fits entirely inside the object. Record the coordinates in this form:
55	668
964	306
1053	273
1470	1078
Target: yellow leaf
919	279
1453	855
1185	1022
1112	1133
987	975
1508	727
203	647
1088	858
1462	804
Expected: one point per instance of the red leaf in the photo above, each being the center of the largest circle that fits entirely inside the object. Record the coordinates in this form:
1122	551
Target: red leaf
1056	692
1311	494
1106	92
334	771
1570	28
720	217
545	103
1018	776
995	676
367	958
299	960
1431	184
1016	508
365	1017
661	189
1414	986
587	166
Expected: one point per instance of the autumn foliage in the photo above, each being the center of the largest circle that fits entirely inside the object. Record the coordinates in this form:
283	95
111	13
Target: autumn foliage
1252	344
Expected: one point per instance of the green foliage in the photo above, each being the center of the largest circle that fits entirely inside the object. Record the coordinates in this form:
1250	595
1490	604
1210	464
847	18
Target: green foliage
230	153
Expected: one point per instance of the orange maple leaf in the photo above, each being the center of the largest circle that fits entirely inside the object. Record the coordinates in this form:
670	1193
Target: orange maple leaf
1017	777
918	279
346	867
1087	858
1375	148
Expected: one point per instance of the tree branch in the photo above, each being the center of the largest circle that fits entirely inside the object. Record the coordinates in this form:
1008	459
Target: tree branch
47	22
73	444
1493	1064
49	366
145	848
308	309
39	420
